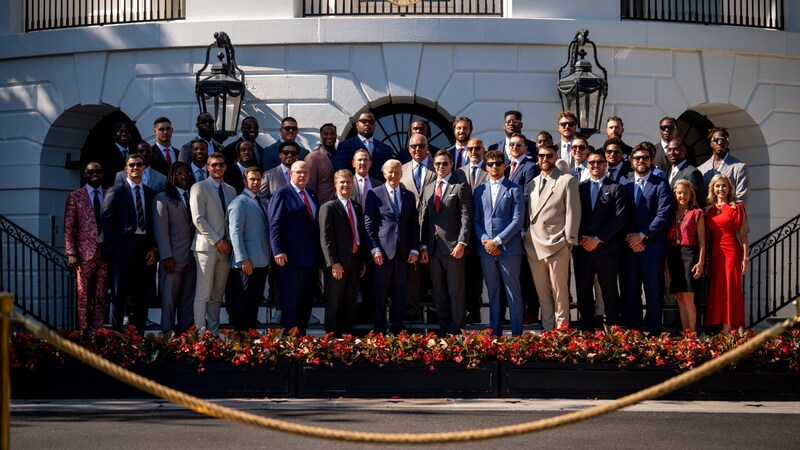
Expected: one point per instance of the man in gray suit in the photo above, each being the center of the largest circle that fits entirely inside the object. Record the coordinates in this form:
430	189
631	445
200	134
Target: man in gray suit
249	231
446	226
682	170
150	177
279	176
172	222
554	215
722	162
209	200
475	174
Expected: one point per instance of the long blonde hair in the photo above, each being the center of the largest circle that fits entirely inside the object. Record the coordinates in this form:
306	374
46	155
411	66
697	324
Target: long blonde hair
712	198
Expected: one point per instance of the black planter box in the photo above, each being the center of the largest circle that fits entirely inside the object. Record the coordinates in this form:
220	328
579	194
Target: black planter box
607	381
405	381
218	380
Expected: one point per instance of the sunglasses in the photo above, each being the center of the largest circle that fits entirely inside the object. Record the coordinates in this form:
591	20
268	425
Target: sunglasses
566	124
290	129
94	171
641	158
516	144
579	147
134	165
366	121
473	149
719	140
417	145
289	153
595	163
613	152
667	127
217	165
441	164
494	163
546	155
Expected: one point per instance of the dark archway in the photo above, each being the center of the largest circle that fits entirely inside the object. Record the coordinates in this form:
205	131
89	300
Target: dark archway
693	128
393	120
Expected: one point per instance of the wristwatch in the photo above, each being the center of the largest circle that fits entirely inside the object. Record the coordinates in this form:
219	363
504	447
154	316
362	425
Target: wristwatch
642	235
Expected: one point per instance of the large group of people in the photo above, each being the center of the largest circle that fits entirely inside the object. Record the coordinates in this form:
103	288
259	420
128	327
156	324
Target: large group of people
370	230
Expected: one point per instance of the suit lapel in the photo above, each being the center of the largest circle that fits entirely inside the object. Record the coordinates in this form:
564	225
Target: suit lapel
500	193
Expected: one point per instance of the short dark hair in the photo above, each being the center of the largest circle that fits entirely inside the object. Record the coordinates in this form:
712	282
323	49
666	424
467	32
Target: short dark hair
327	125
121	124
513	112
462	119
133	156
443	152
613	141
162	119
545	133
251	169
598	153
722	130
551	147
495	155
216	155
645	147
197	141
671	119
520	135
285	144
615	119
288	119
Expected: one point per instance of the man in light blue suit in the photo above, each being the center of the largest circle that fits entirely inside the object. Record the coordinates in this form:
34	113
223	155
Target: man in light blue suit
498	210
249	231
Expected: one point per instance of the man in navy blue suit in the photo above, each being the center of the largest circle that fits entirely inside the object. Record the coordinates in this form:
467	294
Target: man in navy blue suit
600	243
378	151
512	123
499	208
294	237
649	203
392	225
127	222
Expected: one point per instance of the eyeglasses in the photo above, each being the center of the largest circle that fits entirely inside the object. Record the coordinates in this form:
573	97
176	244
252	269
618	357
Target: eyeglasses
474	149
441	164
217	165
289	153
136	164
579	147
417	145
566	124
366	121
94	171
513	122
545	155
494	163
613	152
719	140
516	144
595	163
641	158
667	127
290	129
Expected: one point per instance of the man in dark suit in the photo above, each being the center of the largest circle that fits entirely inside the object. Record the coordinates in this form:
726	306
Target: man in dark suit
205	132
83	243
668	129
249	133
127	222
249	231
288	132
164	154
475	174
600	238
648	200
245	156
174	233
512	123
362	184
378	151
343	238
199	151
614	130
682	170
446	226
499	209
462	129
113	159
294	236
617	167
391	222
150	177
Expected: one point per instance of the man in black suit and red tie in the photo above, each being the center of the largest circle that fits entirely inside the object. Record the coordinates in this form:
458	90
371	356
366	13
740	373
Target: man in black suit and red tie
127	222
164	154
600	243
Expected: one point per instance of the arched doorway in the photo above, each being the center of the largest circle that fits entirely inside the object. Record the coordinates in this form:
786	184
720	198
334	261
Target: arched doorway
393	120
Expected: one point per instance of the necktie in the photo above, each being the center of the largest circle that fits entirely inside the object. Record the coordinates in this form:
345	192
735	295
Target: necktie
139	208
352	227
186	200
437	202
200	175
286	175
263	210
595	190
541	185
611	171
221	197
576	172
125	153
672	173
363	182
395	205
167	157
474	175
639	188
96	207
418	177
458	158
369	146
513	168
308	204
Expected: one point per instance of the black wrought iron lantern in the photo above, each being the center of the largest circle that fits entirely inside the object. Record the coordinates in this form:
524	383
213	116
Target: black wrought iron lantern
582	91
221	92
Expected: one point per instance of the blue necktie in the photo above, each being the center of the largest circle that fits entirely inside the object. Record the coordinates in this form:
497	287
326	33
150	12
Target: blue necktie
639	188
418	177
221	196
595	191
395	205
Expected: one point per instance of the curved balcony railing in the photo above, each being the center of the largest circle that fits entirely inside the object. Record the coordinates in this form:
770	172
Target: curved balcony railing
313	8
52	14
743	13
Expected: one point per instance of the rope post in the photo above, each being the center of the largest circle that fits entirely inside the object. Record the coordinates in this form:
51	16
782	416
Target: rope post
6	305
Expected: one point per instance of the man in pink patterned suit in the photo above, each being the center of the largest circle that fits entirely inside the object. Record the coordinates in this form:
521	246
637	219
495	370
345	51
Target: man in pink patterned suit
82	238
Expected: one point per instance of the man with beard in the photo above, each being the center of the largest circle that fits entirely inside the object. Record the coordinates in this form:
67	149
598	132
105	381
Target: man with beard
723	162
682	170
288	133
199	158
378	151
83	243
113	159
164	154
668	129
249	132
614	130
462	128
512	123
205	132
320	164
617	168
567	123
245	156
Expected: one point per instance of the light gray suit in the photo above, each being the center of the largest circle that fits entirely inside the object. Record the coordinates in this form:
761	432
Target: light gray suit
155	181
407	179
731	168
554	216
481	176
174	234
271	181
211	220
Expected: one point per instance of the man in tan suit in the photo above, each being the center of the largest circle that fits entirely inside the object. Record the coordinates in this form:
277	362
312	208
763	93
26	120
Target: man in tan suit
554	215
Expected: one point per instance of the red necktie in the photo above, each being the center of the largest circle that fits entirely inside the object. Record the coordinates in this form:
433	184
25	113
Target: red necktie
513	168
353	227
437	202
308	205
168	158
458	158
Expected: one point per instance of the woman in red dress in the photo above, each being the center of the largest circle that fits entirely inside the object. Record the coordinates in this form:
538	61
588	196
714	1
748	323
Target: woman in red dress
726	236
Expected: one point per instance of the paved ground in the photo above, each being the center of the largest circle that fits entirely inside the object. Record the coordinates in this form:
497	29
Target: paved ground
156	424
